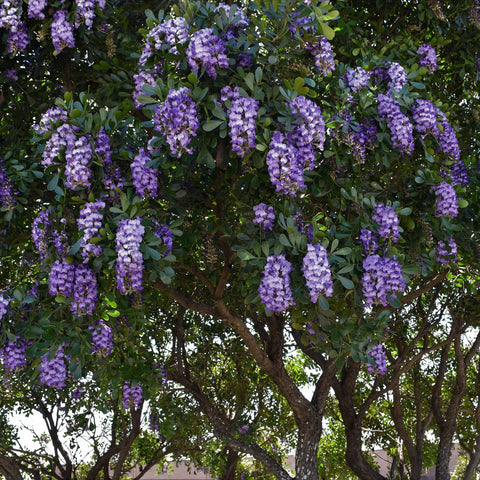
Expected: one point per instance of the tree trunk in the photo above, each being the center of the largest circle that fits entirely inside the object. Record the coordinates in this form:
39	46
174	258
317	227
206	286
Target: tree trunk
306	453
231	466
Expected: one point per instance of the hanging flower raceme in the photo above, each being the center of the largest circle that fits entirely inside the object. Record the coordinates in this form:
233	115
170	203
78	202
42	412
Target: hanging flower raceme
447	138
53	371
241	120
77	172
357	78
129	266
145	179
10	14
369	241
428	57
61	279
49	119
18	40
264	216
382	278
397	75
90	221
207	51
14	353
274	290
163	232
62	31
176	119
323	54
446	252
35	9
84	291
316	271
7	190
41	231
446	200
388	223
62	139
380	359
102	339
458	174
424	114
112	177
4	302
132	396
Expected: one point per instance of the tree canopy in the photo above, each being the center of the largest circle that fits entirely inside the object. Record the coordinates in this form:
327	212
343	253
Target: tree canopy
210	209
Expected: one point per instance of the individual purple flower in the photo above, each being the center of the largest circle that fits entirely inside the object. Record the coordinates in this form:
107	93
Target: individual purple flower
382	278
84	291
77	394
90	221
369	241
264	216
163	232
145	179
7	190
388	222
53	370
35	9
323	54
400	127
241	120
41	231
424	114
62	31
61	278
274	290
446	200
429	57
14	354
102	339
207	51
18	40
446	253
176	119
378	356
397	75
132	396
77	171
284	166
357	78
243	429
316	271
129	266
62	140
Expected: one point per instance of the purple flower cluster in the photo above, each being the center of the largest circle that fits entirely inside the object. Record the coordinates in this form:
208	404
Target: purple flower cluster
388	222
145	179
102	338
18	40
85	12
176	119
62	31
7	190
369	241
447	138
264	216
323	54
357	78
60	241
237	20
62	138
316	271
84	291
10	13
429	57
227	93
11	74
397	76
35	9
143	77
382	276
241	120
53	371
424	114
111	171
446	200
129	266
4	301
132	396
380	359
41	231
459	174
77	158
61	278
49	119
274	290
90	221
163	232
14	354
399	125
207	51
445	254
285	171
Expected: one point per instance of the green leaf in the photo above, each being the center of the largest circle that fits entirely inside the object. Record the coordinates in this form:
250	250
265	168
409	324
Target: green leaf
347	283
212	125
284	240
327	31
462	203
245	255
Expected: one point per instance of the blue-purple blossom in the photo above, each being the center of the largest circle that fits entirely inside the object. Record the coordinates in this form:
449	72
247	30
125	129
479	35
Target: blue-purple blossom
77	172
10	14
145	179
274	290
18	40
241	120
35	9
446	252
4	301
378	356
397	75
429	57
424	114
382	278
129	266
264	216
7	189
176	119
357	78
369	241
90	221
163	232
446	200
49	119
132	396
316	271
61	278
400	127
13	354
447	138
143	77
84	291
41	231
323	54
85	13
62	31
112	177
62	140
206	51
60	241
102	339
227	93
388	222
53	371
458	174
11	74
